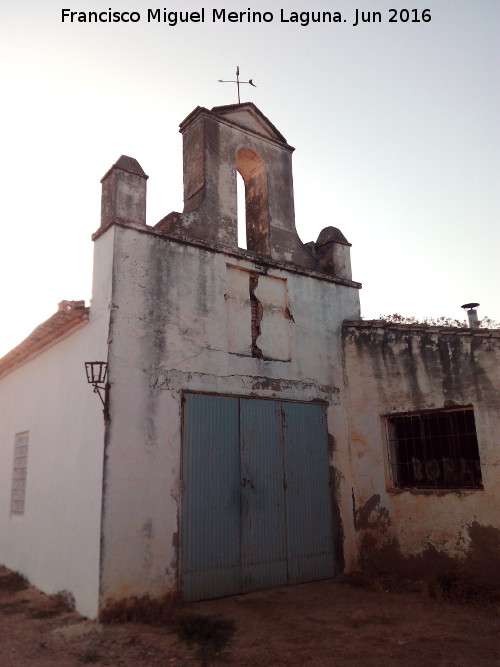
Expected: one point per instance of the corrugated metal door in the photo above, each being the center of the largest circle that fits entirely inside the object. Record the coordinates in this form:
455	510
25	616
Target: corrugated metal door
210	509
263	520
308	499
256	506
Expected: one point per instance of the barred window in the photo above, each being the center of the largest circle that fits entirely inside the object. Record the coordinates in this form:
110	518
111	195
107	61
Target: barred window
19	473
436	450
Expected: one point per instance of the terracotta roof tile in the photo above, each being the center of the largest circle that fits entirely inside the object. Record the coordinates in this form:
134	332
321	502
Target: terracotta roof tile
69	315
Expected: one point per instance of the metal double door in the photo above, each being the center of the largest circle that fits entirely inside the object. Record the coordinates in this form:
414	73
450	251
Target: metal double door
256	503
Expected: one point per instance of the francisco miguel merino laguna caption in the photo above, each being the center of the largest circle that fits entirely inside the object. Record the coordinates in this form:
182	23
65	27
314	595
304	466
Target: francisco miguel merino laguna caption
173	18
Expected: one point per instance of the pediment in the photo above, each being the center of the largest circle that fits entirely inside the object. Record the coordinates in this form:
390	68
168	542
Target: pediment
249	116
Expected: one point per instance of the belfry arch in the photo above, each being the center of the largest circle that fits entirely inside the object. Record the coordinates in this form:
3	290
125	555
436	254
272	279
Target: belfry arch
252	170
219	143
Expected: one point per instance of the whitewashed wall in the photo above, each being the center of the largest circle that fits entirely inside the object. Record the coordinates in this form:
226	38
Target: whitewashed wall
55	543
170	332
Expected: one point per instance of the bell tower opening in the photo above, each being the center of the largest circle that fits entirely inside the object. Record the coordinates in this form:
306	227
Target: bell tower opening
252	169
218	144
241	211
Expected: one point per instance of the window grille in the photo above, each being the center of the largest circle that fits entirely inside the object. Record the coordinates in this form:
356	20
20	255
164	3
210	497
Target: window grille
19	473
435	450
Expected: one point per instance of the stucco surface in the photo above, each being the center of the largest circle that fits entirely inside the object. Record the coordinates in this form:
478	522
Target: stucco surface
393	370
180	308
172	331
56	542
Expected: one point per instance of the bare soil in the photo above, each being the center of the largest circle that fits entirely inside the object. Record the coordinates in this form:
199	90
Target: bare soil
353	623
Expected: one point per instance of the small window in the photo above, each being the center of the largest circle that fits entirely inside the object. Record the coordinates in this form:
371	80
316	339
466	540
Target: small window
19	473
436	450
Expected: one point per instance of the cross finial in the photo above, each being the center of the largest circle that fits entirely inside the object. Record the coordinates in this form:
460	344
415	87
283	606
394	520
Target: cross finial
238	82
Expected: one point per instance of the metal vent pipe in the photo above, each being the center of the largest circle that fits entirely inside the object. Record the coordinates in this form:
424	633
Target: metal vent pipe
472	314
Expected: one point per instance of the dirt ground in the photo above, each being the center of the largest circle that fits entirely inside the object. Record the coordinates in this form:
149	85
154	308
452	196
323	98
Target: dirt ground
353	623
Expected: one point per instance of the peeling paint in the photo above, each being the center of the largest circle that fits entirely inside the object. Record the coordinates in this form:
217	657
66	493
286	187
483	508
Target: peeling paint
331	444
248	385
336	486
147	529
372	515
393	370
479	561
380	550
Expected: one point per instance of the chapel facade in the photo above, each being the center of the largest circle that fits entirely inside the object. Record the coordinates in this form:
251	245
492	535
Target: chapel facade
256	432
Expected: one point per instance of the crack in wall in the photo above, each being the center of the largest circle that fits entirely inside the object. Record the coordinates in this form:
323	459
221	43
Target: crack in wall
257	313
248	385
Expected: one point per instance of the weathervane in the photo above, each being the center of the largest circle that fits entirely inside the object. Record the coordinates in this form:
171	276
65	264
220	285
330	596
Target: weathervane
238	82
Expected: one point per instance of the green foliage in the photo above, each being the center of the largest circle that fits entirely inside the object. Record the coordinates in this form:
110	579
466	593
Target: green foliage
462	589
89	657
396	318
152	611
211	633
488	323
13	581
45	613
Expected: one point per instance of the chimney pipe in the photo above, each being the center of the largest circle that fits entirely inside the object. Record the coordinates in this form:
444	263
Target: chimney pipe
472	314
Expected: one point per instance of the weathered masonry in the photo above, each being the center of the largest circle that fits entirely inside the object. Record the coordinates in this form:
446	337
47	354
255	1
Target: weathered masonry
218	357
257	433
424	421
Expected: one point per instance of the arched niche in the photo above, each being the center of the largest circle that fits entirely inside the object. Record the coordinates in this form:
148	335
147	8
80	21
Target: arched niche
252	169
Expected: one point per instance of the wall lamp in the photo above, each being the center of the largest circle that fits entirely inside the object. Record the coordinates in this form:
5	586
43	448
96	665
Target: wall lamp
97	372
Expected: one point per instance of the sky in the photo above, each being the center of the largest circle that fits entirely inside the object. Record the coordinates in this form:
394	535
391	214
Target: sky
395	126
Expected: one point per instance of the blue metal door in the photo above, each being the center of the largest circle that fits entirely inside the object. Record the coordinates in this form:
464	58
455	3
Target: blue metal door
210	510
263	520
256	506
308	499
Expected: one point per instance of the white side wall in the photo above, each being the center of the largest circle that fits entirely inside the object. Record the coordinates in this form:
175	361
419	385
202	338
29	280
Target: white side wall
56	542
170	332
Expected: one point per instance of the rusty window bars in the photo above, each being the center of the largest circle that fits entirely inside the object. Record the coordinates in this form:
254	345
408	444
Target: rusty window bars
434	449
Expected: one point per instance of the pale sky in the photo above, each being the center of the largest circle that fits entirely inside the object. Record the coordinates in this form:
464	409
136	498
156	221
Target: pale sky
395	126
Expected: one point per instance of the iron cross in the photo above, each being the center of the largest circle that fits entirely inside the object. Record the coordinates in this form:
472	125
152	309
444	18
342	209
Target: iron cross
238	82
